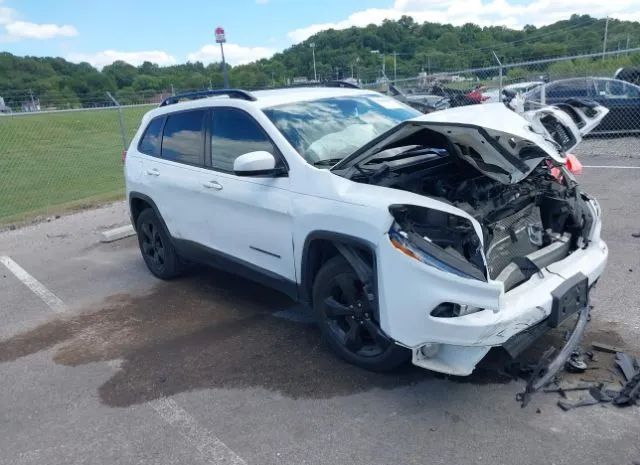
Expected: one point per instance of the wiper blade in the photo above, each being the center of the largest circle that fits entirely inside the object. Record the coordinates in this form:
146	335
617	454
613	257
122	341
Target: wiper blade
327	162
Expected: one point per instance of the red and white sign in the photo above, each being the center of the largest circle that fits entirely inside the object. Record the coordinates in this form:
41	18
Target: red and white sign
220	37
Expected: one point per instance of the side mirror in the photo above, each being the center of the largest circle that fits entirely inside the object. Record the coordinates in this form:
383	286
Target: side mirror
259	163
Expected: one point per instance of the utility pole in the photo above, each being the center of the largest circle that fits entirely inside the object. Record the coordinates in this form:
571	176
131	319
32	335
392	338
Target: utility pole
173	91
606	32
313	53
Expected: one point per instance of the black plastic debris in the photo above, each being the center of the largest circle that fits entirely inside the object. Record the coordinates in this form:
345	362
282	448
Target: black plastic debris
630	393
602	347
627	364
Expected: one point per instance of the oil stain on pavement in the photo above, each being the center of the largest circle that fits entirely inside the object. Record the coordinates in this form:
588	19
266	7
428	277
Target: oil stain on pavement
210	330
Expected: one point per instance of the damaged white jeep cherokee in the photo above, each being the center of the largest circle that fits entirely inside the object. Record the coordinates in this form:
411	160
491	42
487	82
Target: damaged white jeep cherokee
425	237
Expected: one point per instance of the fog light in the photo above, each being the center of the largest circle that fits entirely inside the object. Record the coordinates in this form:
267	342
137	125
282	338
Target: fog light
430	349
451	310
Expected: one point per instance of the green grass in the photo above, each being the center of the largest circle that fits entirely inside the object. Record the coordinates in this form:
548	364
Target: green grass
50	162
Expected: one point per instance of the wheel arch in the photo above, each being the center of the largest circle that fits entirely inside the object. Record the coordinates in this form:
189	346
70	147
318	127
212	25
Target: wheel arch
138	202
320	246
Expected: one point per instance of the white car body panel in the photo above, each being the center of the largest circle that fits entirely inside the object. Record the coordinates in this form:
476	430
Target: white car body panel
278	215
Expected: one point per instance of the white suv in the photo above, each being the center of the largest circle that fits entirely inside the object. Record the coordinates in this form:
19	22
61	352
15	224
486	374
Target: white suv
424	237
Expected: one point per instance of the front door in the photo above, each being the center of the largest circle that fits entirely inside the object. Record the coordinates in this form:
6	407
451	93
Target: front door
249	217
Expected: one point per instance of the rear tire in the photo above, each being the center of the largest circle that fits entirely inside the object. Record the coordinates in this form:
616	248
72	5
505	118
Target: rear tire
347	321
156	247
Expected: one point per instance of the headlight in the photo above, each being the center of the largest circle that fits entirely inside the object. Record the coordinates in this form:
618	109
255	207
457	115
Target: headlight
439	239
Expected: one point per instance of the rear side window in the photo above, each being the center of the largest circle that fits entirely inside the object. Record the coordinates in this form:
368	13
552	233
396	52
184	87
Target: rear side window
183	137
234	133
150	142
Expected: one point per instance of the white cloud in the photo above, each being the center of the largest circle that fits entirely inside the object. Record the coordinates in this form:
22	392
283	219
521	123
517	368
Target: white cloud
234	54
106	57
493	12
15	29
6	15
27	30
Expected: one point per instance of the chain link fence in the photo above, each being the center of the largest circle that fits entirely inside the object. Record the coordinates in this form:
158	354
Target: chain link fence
58	153
57	160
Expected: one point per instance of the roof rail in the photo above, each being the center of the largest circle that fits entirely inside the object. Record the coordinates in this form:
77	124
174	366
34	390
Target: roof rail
231	93
342	84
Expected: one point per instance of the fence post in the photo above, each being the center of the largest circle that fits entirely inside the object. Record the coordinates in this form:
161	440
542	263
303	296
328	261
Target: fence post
500	71
122	131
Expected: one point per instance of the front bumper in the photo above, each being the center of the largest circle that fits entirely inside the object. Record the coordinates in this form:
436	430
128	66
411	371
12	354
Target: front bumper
463	341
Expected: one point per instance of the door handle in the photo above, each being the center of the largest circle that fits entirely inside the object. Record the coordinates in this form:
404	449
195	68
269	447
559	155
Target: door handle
213	185
152	172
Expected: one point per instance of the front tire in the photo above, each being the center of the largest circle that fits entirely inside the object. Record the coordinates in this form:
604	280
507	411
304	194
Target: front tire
347	322
156	247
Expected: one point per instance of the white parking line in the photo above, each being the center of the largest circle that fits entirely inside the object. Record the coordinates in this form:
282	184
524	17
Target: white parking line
212	449
48	297
616	167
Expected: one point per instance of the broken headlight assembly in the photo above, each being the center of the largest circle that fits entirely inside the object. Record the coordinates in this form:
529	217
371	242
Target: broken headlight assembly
439	239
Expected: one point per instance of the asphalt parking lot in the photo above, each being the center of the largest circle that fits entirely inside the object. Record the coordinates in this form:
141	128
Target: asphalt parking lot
100	363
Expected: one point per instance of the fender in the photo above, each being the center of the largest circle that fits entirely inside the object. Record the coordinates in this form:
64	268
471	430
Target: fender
348	243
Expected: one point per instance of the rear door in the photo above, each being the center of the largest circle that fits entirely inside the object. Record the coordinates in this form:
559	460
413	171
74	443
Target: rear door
249	217
173	173
623	101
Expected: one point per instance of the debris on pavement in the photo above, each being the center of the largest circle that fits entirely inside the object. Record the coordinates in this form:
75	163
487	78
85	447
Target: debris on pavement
576	363
630	393
627	365
602	347
618	385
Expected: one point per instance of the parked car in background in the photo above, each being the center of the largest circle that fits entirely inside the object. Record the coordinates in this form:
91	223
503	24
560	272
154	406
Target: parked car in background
510	91
629	74
425	103
620	97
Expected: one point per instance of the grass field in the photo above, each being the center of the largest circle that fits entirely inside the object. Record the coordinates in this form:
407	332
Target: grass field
53	161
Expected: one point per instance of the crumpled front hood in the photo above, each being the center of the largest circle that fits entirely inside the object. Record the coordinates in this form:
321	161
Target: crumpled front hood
494	139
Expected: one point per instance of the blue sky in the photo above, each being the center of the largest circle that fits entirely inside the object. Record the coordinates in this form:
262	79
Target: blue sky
174	32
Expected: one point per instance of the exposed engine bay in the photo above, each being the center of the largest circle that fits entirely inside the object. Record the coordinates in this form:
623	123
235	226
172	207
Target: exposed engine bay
526	225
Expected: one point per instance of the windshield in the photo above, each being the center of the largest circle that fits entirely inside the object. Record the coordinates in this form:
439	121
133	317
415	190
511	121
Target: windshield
327	130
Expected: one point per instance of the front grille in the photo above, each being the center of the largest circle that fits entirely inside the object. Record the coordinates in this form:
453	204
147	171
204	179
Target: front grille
514	236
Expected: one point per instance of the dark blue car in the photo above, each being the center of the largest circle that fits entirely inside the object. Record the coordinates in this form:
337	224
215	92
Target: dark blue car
620	97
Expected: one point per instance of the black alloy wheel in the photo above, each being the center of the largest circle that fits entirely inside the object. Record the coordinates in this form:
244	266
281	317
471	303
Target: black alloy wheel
347	319
156	247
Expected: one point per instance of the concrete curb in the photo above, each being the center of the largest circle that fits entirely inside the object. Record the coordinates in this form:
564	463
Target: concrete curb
117	233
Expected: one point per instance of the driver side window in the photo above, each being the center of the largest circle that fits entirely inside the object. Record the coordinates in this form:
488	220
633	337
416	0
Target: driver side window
234	133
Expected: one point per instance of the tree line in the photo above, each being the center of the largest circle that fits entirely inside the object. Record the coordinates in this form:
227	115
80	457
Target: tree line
355	52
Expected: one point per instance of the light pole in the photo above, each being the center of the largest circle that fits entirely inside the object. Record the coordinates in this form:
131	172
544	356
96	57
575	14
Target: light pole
377	52
221	39
313	53
395	67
